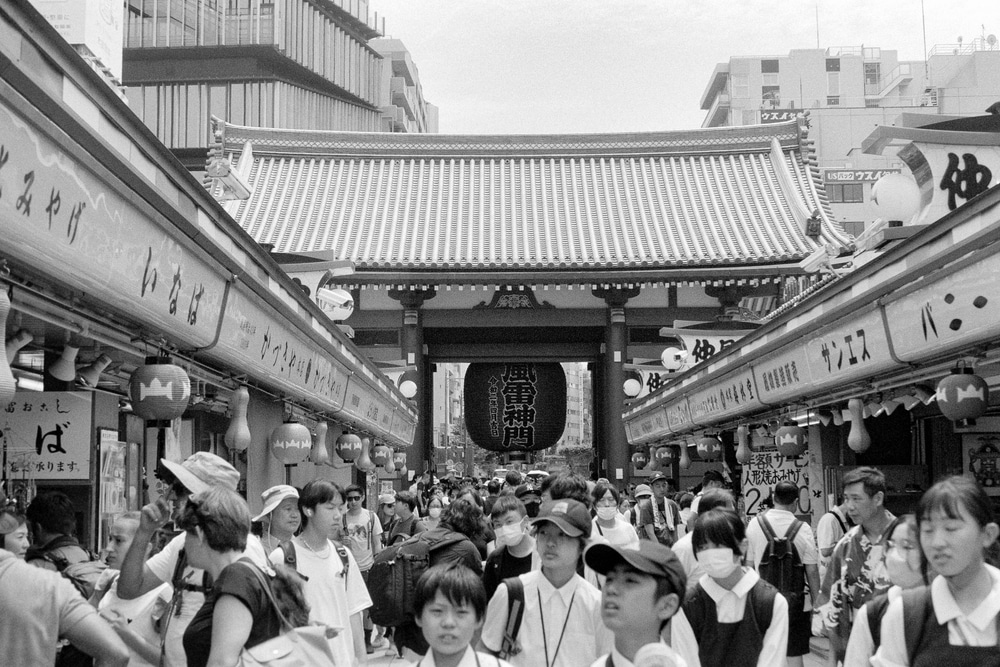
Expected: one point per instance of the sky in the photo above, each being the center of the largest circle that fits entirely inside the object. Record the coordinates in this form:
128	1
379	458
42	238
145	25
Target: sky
566	66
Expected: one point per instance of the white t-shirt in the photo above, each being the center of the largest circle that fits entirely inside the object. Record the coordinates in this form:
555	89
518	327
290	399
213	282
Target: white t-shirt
621	535
162	566
780	520
331	601
363	537
138	612
828	533
621	661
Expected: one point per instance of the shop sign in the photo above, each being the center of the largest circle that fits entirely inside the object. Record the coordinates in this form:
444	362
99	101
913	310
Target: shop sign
72	224
783	376
856	175
651	426
765	469
959	309
849	351
47	435
704	343
678	416
364	405
957	174
778	115
733	395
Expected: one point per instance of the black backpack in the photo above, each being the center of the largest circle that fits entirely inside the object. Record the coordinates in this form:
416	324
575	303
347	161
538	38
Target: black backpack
781	566
82	574
288	548
515	612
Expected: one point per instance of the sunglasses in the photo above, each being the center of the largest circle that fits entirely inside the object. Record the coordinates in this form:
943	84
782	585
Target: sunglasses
351	499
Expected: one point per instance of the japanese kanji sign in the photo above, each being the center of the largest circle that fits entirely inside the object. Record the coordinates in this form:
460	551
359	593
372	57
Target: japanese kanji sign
515	406
48	434
766	468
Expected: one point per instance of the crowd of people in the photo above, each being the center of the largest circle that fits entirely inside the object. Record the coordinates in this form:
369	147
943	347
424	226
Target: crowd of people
560	571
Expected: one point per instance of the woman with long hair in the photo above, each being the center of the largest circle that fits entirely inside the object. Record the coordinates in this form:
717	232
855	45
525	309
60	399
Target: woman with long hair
434	509
608	521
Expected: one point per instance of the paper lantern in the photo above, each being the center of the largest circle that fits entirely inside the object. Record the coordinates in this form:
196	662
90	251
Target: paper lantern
515	406
319	453
963	396
159	390
399	459
348	447
684	460
380	455
743	444
8	386
858	438
896	198
791	440
364	462
237	436
639	460
408	384
709	448
665	455
632	386
290	443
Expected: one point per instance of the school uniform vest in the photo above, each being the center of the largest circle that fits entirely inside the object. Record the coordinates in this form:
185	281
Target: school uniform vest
731	644
931	648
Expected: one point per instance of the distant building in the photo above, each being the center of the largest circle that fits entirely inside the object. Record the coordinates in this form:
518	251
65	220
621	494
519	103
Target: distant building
848	91
404	108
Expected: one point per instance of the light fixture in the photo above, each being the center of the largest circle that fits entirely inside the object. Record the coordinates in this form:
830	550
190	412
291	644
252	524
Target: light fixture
407	384
64	368
632	386
673	358
91	375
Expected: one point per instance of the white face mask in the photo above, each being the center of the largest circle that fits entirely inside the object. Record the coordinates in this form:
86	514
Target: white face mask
717	563
899	570
434	512
508	536
606	513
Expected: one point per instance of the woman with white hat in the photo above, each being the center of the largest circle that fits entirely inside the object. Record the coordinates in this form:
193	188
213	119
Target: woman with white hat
280	517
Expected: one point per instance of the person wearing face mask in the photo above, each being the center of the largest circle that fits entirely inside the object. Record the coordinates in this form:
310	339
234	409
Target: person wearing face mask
732	617
515	549
531	499
608	522
434	509
907	569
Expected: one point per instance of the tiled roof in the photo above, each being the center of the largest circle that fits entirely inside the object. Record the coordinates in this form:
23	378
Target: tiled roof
717	197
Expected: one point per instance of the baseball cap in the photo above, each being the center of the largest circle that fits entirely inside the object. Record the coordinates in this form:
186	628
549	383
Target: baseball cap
525	490
202	471
656	477
643	491
387	499
571	516
273	497
649	557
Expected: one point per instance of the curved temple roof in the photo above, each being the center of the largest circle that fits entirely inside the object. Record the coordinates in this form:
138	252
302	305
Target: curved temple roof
720	197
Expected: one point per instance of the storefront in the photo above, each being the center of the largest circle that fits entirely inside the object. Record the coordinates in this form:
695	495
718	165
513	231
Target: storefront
112	254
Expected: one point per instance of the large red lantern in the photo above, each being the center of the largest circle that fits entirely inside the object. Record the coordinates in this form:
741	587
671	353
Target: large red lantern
349	447
791	440
963	396
709	448
639	460
515	406
159	390
665	455
290	443
380	455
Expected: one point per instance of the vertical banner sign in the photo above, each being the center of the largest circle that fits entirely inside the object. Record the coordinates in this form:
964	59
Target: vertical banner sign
515	406
766	468
48	435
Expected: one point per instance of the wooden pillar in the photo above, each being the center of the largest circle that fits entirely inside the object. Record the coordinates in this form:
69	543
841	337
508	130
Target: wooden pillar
411	339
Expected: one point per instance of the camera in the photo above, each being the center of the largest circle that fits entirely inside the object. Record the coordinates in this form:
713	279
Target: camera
338	304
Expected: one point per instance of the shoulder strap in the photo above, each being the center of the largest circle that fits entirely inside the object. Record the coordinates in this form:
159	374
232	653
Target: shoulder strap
762	597
836	515
342	552
793	530
515	612
875	612
916	607
267	590
56	559
601	531
766	527
178	575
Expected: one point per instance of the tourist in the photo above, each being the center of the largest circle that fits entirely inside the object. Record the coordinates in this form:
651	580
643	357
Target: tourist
280	517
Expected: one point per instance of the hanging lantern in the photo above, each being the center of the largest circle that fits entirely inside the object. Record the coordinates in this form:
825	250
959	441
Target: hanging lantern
743	444
709	448
319	453
858	438
237	436
632	386
8	386
664	455
364	462
399	459
290	443
963	396
639	460
390	462
684	460
380	455
791	440
159	390
534	393
349	447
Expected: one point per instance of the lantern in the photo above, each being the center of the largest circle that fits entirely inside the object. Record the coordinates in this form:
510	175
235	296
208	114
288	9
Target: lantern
364	462
743	444
237	436
159	390
349	447
632	386
290	443
399	459
791	440
963	396
390	462
665	455
639	460
709	448
380	455
408	384
896	198
858	438
515	406
684	460
319	453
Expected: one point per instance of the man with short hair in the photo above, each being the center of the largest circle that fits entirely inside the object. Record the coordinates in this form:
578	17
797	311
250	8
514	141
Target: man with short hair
361	533
856	572
659	520
515	547
530	498
781	519
492	493
407	523
280	516
712	479
53	522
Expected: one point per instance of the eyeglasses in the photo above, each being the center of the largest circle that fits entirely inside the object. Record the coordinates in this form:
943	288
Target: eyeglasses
352	499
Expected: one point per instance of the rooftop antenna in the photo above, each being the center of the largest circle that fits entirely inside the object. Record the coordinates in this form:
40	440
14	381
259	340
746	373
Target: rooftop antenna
817	24
927	67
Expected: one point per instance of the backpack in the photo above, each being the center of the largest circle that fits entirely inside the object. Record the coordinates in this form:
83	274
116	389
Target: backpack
515	612
288	548
392	580
781	566
83	574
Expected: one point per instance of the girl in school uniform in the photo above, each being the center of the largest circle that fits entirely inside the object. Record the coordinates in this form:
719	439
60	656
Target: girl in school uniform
732	618
954	620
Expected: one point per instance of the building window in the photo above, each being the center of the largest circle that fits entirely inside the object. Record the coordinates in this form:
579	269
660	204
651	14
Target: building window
833	100
873	73
770	96
846	193
768	66
833	64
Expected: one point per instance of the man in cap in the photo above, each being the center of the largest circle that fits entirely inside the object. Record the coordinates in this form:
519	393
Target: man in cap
198	473
660	519
712	479
643	589
531	499
280	516
562	611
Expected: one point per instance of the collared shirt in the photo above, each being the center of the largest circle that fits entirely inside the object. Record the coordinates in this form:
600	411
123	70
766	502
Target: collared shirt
621	661
978	628
585	636
861	646
684	550
780	521
729	608
470	659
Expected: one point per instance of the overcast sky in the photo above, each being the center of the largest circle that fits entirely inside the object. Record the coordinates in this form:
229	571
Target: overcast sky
534	66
